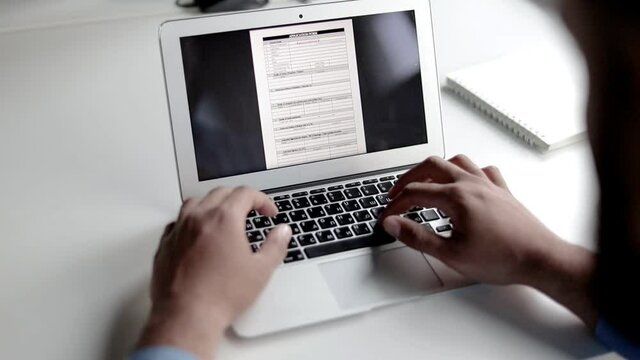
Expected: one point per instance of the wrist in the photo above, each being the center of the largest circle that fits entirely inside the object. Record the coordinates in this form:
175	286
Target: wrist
564	272
195	328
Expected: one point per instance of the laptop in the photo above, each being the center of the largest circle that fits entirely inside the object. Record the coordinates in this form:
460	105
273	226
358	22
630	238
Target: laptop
323	107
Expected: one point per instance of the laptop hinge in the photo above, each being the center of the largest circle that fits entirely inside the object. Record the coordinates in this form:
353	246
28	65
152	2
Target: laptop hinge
333	180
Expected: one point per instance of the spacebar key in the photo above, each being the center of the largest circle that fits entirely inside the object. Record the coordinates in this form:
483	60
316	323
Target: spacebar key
347	245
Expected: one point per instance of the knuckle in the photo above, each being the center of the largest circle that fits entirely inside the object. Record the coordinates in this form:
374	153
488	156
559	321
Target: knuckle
432	160
244	190
188	203
215	190
460	158
492	169
457	193
412	189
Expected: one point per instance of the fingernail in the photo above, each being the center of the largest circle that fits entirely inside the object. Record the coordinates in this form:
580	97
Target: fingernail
392	226
283	232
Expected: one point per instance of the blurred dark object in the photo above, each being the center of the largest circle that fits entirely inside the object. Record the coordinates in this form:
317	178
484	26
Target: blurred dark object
222	5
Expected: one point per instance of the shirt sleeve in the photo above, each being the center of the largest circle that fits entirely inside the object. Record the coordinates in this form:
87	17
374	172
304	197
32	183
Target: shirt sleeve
161	353
615	341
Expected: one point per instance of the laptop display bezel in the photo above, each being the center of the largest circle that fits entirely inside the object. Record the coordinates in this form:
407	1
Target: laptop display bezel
172	31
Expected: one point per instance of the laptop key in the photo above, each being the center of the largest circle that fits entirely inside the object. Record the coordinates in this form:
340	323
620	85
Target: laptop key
369	190
262	222
352	193
345	219
362	216
333	209
415	217
249	226
281	218
334	188
361	229
317	191
299	194
385	186
307	239
293	256
319	199
383	199
327	223
387	178
429	215
351	205
335	196
348	245
309	226
255	236
284	205
370	181
376	212
316	212
292	244
255	247
301	202
252	213
444	228
373	224
343	232
298	215
325	236
443	214
282	197
295	229
428	227
368	202
353	184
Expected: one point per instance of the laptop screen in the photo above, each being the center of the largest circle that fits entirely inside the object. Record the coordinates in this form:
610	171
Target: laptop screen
275	97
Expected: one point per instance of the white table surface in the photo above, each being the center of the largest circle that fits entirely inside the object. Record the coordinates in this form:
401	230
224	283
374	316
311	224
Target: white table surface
88	180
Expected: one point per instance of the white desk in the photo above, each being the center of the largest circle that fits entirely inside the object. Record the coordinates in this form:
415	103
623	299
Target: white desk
88	181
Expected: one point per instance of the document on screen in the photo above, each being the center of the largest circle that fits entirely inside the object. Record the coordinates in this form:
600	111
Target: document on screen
308	92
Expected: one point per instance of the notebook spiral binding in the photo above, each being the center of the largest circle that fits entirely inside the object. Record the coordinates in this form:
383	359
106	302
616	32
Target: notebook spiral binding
521	129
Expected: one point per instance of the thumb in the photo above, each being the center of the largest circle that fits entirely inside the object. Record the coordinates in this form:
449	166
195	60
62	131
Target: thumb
414	235
274	249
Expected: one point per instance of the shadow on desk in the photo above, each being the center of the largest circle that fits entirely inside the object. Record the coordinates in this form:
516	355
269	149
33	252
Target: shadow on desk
520	310
131	312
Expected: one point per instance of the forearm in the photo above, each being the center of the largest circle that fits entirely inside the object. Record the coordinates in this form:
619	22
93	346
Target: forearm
565	273
193	329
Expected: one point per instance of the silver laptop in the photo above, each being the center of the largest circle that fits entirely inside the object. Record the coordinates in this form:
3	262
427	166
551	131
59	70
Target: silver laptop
323	107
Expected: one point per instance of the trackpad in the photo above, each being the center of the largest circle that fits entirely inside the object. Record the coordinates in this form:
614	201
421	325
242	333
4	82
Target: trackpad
379	278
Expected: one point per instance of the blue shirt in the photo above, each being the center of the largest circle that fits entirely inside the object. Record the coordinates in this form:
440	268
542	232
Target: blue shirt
615	341
162	353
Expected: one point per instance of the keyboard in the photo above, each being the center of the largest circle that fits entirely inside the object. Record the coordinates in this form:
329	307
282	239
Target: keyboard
336	218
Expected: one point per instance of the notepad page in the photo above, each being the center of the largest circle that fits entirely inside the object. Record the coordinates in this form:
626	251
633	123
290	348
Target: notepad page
542	89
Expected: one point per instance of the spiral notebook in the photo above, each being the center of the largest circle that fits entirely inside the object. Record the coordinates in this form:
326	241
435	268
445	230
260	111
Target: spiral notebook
539	94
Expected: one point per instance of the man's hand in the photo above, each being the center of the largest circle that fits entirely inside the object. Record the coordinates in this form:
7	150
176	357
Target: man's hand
205	273
495	238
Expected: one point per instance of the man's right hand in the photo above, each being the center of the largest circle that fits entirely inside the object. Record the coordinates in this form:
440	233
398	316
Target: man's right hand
495	239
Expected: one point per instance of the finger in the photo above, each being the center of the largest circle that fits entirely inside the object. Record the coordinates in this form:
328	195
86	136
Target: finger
187	207
168	229
415	235
494	174
214	198
274	249
244	199
434	168
463	162
420	194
